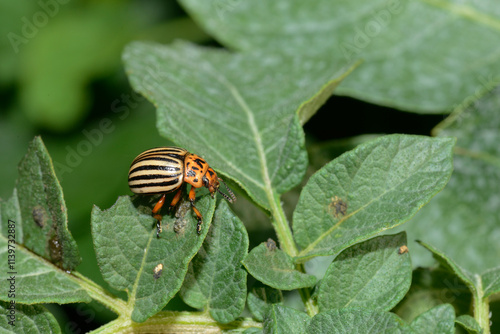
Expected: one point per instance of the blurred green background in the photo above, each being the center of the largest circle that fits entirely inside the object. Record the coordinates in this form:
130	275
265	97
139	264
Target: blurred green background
61	77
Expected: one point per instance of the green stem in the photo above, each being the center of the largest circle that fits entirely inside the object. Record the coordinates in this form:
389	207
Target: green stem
481	307
175	322
97	293
287	244
162	322
305	294
282	228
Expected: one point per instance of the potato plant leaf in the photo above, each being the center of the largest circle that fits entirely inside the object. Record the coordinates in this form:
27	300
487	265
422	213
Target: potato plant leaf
356	321
439	319
447	263
375	274
260	298
274	267
32	319
285	320
131	258
431	287
43	227
491	281
35	279
215	278
238	111
412	51
464	217
377	186
469	323
35	241
10	213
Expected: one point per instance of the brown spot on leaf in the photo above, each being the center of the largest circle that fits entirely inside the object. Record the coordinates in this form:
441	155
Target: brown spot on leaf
403	249
271	244
337	207
39	216
181	221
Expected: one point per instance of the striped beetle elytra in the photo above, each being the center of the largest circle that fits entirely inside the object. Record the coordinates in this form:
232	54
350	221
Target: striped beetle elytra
163	170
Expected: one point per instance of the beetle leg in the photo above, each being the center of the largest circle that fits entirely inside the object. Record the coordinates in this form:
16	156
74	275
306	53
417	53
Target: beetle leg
192	197
157	216
175	200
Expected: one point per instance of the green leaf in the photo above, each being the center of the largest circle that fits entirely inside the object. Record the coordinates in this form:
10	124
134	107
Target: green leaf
10	212
128	250
375	274
491	282
34	280
433	287
31	319
281	319
238	111
275	268
215	277
356	321
35	240
469	323
397	40
311	106
473	282
260	298
377	186
440	319
464	217
43	222
450	265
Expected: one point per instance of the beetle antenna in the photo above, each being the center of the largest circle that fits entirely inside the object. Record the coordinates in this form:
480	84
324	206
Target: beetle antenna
231	199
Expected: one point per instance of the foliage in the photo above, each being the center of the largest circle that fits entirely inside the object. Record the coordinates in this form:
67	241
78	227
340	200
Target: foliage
244	109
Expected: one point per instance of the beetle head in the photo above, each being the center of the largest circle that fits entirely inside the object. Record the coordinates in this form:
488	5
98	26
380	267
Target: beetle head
211	181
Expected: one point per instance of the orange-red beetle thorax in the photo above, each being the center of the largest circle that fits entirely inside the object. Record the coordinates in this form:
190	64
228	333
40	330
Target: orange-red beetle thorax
195	168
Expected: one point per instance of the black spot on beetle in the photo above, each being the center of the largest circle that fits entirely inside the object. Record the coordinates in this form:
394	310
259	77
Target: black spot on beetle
190	173
211	172
200	162
195	180
195	168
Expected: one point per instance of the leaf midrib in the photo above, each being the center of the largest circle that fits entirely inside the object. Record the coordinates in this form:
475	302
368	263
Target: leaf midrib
132	299
267	187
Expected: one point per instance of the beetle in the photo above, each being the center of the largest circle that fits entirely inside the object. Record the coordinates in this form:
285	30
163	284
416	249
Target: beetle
163	170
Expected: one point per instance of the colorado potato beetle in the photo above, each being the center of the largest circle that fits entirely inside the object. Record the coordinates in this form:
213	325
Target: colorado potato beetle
163	170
